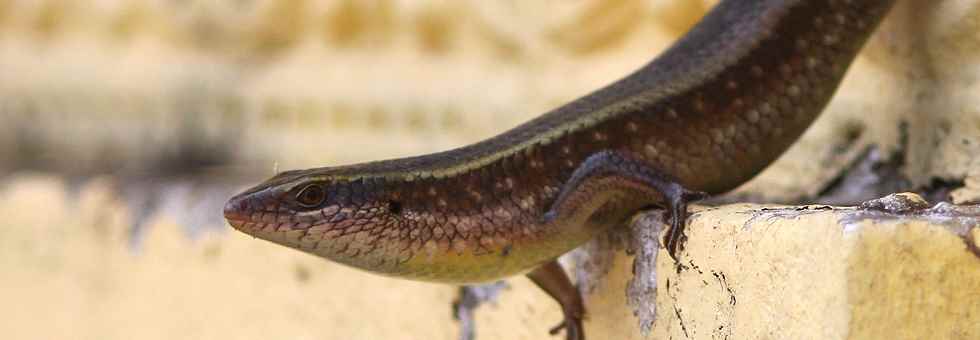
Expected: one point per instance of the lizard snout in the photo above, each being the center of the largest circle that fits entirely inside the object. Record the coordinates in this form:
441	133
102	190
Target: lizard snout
237	211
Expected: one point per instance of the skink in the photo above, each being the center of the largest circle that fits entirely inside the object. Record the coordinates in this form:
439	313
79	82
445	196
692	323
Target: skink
705	116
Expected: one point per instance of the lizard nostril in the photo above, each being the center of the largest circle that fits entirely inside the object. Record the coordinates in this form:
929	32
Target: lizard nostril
236	209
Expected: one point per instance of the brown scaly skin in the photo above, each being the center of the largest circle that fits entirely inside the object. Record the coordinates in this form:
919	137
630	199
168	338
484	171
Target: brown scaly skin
705	116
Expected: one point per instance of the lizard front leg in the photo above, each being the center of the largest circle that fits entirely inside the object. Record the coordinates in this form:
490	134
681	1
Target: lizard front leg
612	168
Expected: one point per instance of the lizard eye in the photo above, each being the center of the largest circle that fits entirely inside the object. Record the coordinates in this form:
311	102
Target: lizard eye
311	196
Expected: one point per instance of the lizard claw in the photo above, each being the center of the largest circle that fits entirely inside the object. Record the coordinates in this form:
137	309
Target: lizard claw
557	328
572	326
677	217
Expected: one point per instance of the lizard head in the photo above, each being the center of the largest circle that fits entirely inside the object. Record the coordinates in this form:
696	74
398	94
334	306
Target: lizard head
318	212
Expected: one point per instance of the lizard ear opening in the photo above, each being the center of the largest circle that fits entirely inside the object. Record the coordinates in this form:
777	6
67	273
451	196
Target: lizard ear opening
311	196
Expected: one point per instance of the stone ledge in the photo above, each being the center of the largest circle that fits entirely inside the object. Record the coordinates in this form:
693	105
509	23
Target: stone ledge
810	272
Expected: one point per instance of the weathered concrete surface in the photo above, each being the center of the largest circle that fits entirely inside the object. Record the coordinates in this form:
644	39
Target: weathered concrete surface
756	272
794	272
801	272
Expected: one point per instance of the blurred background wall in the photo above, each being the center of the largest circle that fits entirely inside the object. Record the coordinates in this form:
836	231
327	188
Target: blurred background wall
193	93
96	86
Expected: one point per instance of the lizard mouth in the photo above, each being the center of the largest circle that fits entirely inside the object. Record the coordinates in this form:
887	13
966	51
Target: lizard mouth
236	223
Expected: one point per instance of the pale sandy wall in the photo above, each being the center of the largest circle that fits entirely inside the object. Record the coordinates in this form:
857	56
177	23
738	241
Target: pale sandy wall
296	78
